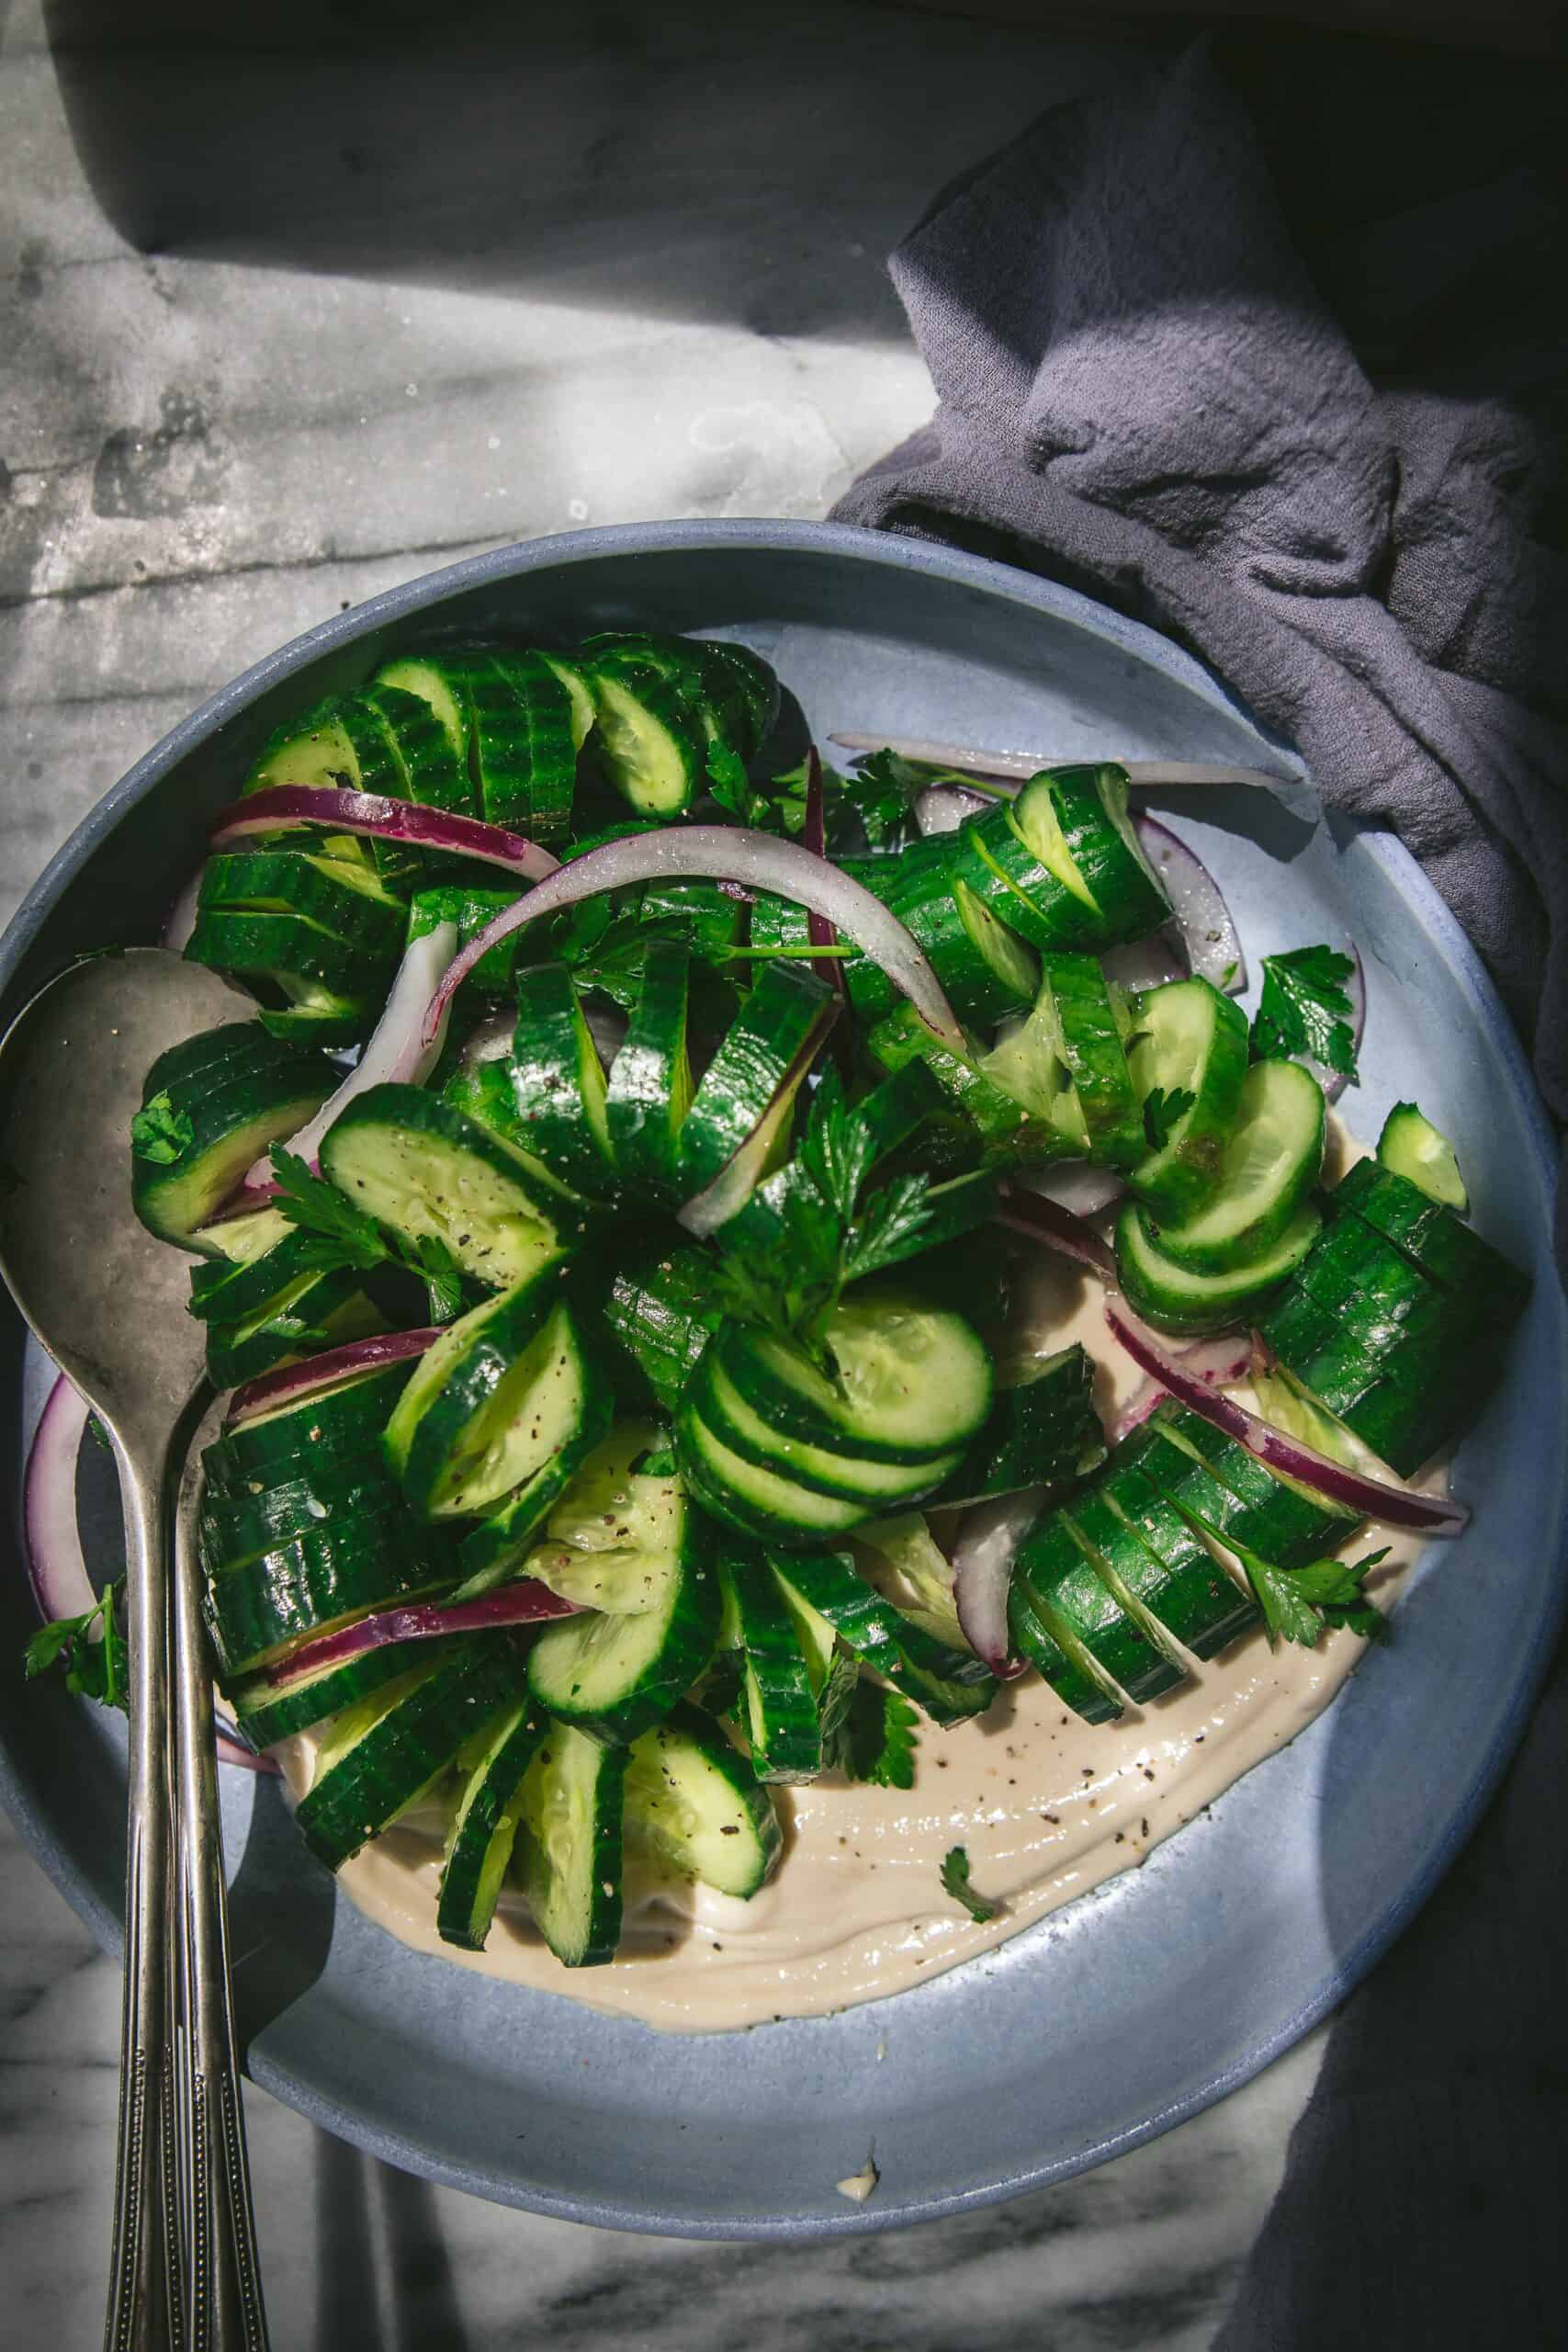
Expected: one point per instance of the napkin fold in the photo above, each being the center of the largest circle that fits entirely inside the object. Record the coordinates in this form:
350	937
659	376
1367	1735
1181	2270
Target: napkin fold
1269	350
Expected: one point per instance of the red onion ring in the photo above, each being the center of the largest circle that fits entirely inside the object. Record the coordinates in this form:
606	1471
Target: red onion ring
1210	935
397	1052
1047	1221
982	1572
1148	963
180	921
1372	1498
1018	767
291	1381
374	814
524	1604
1074	1185
941	807
57	1568
734	854
1214	1361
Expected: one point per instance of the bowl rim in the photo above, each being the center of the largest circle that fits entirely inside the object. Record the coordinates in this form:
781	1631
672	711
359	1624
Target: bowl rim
429	590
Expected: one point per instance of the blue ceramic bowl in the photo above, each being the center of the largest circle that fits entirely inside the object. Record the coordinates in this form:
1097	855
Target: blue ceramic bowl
1137	2005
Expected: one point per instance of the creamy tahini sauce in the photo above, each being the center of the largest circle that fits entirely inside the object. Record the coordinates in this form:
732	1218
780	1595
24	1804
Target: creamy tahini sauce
1046	1806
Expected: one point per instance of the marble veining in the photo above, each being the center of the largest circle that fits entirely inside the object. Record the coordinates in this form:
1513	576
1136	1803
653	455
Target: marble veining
203	450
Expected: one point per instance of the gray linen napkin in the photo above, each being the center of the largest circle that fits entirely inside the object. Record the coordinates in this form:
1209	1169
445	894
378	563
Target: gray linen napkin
1343	485
1356	515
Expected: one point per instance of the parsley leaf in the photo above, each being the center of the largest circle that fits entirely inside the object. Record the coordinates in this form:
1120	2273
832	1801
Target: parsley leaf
827	1235
1305	1010
1164	1108
877	800
308	1200
160	1133
955	1881
1299	1604
98	1669
876	1740
443	1278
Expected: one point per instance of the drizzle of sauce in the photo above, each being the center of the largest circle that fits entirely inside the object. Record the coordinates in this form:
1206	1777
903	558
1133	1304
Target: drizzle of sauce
1046	1806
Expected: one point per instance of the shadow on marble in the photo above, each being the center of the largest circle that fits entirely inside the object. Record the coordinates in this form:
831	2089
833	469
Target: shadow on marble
694	160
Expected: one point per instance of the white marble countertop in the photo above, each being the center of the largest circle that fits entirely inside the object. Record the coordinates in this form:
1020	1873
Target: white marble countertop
206	448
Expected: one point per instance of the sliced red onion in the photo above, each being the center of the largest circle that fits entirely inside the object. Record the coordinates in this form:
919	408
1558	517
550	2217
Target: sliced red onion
292	1381
1397	1506
1214	948
941	807
1214	1361
1074	1185
743	1171
181	919
1045	1221
982	1572
734	854
398	1052
1334	1082
525	1603
231	1750
381	819
56	1567
1019	766
1147	963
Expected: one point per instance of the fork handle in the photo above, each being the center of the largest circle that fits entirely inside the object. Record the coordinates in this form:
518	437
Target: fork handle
144	2309
225	2308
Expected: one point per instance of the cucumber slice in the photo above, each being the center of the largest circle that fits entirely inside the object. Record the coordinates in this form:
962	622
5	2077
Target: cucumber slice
878	1484
298	955
326	1428
1138	1583
1191	1040
472	910
338	896
1043	1431
1067	1590
650	1079
527	759
498	1547
578	693
1075	821
1058	1657
484	1827
694	1805
206	1115
1176	1299
1270	1162
986	1120
1415	1149
268	1709
382	1756
340	742
1429	1234
949	1685
714	696
431	765
609	1540
428	681
758	1502
559	1082
1195	1599
781	1721
615	1676
235	1529
317	1309
496	1398
903	1560
1284	1521
420	1168
911	1380
1068	1065
658	1309
262	1253
758	681
571	1856
989	859
741	1114
312	1582
653	750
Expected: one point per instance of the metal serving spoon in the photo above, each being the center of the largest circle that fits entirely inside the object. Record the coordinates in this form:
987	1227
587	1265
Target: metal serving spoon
107	1300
